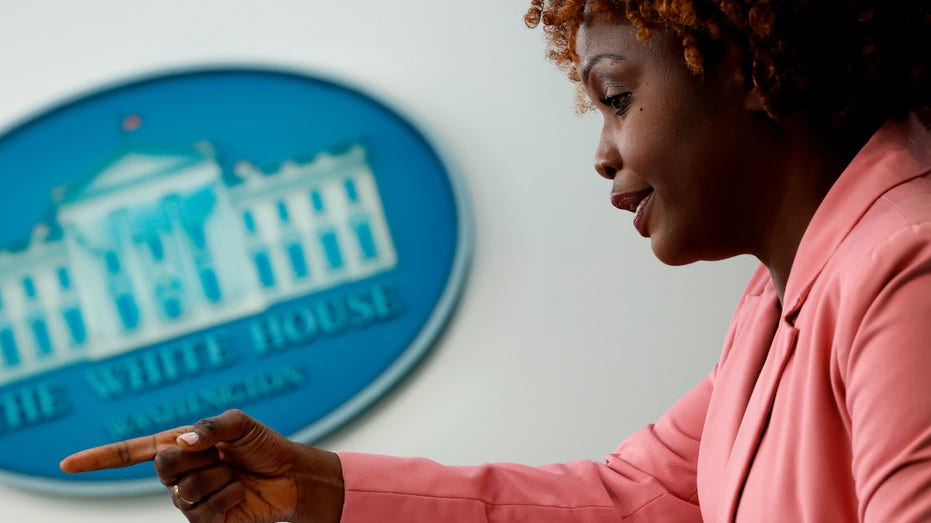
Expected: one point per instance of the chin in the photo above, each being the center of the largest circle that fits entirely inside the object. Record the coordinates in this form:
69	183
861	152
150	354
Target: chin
681	253
675	261
671	256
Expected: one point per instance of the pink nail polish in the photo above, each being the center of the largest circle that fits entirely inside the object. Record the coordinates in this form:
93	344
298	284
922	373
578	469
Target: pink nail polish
191	438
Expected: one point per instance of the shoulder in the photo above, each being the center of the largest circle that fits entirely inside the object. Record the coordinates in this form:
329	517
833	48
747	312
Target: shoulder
892	231
881	272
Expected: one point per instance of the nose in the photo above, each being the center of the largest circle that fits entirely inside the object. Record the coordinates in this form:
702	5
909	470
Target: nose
607	156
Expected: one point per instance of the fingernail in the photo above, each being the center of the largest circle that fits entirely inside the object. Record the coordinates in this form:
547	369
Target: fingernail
191	438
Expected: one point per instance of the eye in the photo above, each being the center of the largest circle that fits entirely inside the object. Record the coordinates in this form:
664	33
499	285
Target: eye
619	102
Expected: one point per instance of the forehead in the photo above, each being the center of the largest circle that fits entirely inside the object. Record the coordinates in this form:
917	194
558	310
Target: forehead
597	38
597	34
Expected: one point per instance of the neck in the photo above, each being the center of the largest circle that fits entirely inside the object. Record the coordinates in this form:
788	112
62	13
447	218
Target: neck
811	167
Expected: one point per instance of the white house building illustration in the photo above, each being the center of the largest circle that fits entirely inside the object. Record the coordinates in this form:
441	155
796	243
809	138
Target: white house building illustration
158	243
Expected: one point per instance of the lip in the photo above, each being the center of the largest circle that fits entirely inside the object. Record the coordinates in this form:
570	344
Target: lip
629	201
636	202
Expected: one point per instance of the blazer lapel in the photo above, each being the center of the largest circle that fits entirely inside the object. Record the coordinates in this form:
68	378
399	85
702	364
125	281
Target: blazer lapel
746	349
755	419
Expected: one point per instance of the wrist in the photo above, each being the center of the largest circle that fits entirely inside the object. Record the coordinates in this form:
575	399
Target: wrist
318	476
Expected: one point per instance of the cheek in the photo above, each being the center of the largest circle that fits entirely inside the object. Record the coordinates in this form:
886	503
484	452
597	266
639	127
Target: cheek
657	151
664	125
667	138
644	143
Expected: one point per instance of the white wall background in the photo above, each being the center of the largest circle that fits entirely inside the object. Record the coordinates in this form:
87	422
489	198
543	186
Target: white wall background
569	336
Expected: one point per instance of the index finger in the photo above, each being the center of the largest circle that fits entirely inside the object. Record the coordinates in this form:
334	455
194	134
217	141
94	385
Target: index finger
121	453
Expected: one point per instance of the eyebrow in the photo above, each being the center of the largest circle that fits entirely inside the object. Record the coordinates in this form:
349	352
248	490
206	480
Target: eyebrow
587	68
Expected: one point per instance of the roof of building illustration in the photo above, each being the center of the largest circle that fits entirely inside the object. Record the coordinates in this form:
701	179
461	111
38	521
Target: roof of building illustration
321	162
134	164
42	232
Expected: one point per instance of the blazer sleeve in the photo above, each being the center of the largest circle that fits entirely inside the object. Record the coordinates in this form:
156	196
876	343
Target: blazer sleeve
884	360
650	477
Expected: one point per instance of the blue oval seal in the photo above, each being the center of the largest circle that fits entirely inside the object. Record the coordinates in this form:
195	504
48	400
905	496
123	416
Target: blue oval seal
221	238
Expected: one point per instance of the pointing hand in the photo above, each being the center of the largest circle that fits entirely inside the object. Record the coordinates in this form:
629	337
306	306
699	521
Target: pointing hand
231	469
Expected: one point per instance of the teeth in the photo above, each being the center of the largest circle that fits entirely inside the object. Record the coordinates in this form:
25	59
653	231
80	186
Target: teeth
643	202
640	205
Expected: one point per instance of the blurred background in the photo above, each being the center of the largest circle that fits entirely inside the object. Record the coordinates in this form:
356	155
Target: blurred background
569	335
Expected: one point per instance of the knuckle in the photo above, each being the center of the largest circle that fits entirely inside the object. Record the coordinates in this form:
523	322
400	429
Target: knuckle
190	486
166	465
235	415
206	425
161	462
213	423
124	453
202	484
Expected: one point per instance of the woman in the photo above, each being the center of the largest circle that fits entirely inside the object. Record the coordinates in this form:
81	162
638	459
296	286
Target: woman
785	130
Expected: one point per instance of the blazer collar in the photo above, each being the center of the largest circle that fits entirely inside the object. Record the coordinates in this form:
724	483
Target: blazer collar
898	152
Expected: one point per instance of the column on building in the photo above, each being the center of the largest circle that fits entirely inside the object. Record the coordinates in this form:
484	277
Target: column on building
157	259
290	241
70	308
360	221
115	259
36	318
196	210
183	276
326	229
257	247
9	350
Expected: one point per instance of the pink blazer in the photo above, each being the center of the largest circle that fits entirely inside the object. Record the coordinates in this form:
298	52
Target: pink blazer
816	412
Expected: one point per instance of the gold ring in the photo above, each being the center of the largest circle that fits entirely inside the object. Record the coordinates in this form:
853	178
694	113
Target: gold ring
177	494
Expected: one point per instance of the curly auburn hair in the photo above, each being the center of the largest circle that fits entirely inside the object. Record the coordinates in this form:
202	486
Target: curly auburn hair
843	64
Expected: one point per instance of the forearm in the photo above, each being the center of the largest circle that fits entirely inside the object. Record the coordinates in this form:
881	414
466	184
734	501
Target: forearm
415	490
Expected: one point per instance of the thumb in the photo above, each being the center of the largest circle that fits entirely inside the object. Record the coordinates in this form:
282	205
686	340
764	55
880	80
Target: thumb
228	427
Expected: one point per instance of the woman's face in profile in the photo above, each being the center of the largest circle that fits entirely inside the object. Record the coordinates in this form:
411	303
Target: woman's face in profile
688	155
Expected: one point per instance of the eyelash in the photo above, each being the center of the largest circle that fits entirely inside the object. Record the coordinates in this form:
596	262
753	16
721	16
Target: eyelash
619	102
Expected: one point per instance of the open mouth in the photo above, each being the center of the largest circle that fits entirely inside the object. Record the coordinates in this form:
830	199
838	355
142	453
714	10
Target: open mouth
630	201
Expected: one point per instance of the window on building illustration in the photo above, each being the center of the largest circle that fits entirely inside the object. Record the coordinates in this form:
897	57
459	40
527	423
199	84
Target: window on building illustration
75	323
208	280
171	308
29	287
64	279
263	268
168	294
366	240
129	313
351	191
156	248
283	212
334	256
40	333
8	349
298	261
196	233
112	261
316	199
249	222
